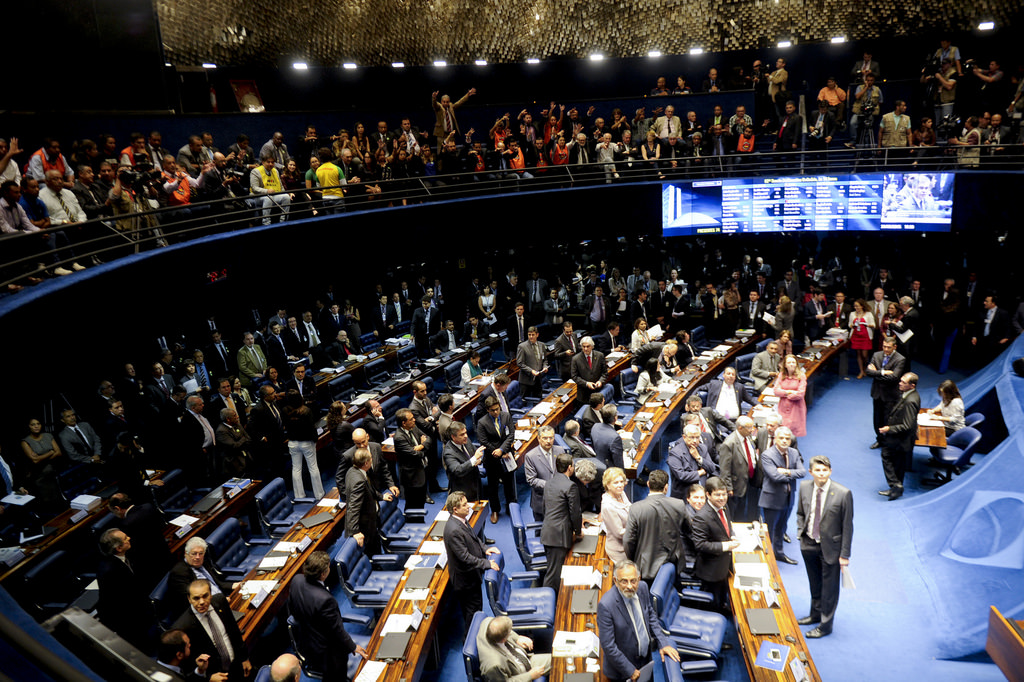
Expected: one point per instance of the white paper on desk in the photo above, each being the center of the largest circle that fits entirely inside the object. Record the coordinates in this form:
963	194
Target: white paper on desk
184	520
925	419
389	441
397	622
273	562
643	416
442	559
722	348
442	515
481	380
576	575
432	547
574	644
593	665
904	336
17	500
372	671
771	400
543	408
415	595
768	391
327	502
94	585
848	579
615	356
253	586
796	666
283	546
523	424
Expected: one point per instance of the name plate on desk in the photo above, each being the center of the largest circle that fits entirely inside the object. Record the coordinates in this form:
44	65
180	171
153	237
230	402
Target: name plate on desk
78	516
259	598
305	543
183	531
233	491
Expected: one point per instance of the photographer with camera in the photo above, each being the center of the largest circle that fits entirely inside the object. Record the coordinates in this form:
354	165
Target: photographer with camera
941	85
133	196
867	98
220	181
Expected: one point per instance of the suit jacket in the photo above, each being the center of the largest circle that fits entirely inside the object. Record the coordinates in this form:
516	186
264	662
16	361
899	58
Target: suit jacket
660	304
375	428
419	324
588	419
716	423
562	344
588	306
581	373
497	663
124	604
263	424
683	468
812	324
902	421
607	444
296	341
618	637
835	529
323	639
481	331
777	489
734	468
563	516
412	465
843	313
578	448
202	644
488	436
713	562
277	354
463	475
363	504
466	557
181	575
603	343
150	555
380	473
756	322
217	403
662	125
790	134
743	397
439	341
531	359
234	449
886	388
249	367
654	533
539	471
219	366
337	351
512	327
764	362
638	310
75	448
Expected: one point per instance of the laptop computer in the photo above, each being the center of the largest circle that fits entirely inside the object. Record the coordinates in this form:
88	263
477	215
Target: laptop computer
762	622
209	502
584	601
419	578
588	545
437	532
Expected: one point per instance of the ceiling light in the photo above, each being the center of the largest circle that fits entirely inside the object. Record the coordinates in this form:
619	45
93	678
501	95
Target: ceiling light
398	65
785	43
440	63
167	64
209	65
986	25
533	60
838	39
481	62
537	17
596	57
654	53
696	50
300	66
348	65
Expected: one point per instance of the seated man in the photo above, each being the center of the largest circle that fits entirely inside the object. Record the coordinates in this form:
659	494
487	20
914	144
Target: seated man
507	655
265	182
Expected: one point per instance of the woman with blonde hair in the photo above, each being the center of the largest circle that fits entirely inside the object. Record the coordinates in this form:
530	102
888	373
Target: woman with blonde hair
614	510
790	387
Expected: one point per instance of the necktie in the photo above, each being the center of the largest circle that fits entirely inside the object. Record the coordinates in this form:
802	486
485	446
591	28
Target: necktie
885	360
82	436
590	363
67	211
643	639
497	426
223	354
218	638
520	330
750	459
816	526
725	521
203	380
519	655
277	415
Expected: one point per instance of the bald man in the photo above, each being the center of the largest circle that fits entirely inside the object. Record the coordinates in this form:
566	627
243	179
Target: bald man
286	668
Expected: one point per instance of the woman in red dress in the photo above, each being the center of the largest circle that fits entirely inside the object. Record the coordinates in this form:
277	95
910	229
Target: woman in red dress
862	330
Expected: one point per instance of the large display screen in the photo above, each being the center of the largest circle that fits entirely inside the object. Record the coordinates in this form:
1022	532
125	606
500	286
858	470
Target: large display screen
827	203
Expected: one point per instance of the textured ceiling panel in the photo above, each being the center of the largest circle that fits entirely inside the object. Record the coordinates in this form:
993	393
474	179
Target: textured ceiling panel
378	32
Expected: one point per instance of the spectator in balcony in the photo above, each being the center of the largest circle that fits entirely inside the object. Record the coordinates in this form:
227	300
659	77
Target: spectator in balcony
922	141
91	197
8	166
948	52
718	131
244	160
619	125
360	142
294	182
777	91
681	87
692	125
155	149
330	178
866	106
660	89
132	199
713	83
191	156
969	155
668	124
863	67
835	97
790	128
822	128
265	183
48	157
942	86
697	149
445	122
276	149
554	123
895	130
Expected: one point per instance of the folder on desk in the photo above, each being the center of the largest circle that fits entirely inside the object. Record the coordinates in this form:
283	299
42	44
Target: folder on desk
762	622
437	531
579	677
563	390
588	545
207	503
584	601
419	578
317	519
393	646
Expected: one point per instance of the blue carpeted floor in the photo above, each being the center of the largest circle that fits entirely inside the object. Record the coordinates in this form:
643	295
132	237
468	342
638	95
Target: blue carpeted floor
882	627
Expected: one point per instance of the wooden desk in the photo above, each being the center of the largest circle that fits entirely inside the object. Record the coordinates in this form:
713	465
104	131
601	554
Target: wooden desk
209	520
579	622
416	653
930	436
1005	644
466	407
255	619
389	353
750	643
663	416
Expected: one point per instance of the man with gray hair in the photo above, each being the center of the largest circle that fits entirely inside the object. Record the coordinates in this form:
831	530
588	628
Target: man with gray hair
506	655
782	466
909	322
588	370
539	464
689	462
198	440
123	601
197	564
741	470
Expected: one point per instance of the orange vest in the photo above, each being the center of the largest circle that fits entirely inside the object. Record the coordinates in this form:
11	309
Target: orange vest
517	161
128	151
182	194
47	166
745	145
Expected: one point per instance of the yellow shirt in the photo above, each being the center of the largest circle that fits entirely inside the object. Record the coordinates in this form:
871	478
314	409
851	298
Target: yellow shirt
329	176
271	180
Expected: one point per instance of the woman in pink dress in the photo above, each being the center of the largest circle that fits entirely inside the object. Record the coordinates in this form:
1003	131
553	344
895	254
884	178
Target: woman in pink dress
862	331
790	386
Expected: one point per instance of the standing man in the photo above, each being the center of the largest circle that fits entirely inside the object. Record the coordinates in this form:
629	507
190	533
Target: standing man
655	528
467	558
212	629
495	432
740	466
824	522
898	436
566	347
563	519
363	499
629	626
782	466
712	538
765	366
530	356
411	448
540	467
885	369
321	637
588	370
462	462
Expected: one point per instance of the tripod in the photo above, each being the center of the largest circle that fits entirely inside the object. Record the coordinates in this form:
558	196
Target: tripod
865	143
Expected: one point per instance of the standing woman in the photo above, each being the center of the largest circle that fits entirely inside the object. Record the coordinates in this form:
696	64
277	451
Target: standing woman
485	302
892	314
790	387
614	510
360	143
784	315
730	308
862	333
351	313
951	409
341	429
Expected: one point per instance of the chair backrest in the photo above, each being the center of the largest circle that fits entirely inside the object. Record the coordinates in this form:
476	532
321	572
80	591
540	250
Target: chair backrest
173	494
698	337
453	375
743	363
519	530
627	379
403	327
366	339
389	407
966	439
974	419
77	480
353	566
513	396
486	356
663	583
227	546
341	387
470	654
762	345
163	606
263	674
391	518
295	635
608	391
499	589
376	370
273	502
429	383
406	354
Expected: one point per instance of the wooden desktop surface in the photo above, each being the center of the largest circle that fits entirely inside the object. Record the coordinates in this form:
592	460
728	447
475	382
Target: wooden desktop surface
208	521
580	622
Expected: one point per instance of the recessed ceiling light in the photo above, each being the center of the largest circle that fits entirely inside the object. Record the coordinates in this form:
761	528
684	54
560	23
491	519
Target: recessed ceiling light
481	62
440	63
785	43
348	65
300	66
533	60
696	50
398	65
839	39
986	25
596	57
209	65
167	64
654	53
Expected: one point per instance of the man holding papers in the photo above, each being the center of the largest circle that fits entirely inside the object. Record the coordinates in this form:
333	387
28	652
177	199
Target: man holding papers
824	521
467	558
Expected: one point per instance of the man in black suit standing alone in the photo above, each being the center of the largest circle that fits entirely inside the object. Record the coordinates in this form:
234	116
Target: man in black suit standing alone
898	436
824	522
589	371
885	369
467	558
563	519
363	500
321	637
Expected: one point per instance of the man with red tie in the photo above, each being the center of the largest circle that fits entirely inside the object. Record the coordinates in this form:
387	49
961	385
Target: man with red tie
588	370
741	470
712	537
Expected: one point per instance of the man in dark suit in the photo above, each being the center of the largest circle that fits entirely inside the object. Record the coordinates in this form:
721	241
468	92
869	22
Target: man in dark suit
227	651
474	329
306	387
993	331
539	464
566	347
608	342
577	446
563	519
426	321
752	314
78	440
712	538
224	398
597	310
729	397
815	316
219	360
639	308
709	419
781	466
379	316
340	349
379	473
533	364
333	321
661	303
266	428
910	321
898	435
689	462
467	557
398	311
124	605
198	564
655	528
824	523
412	448
630	631
149	554
321	637
885	369
363	500
462	462
277	353
740	468
838	313
516	326
607	442
790	129
495	432
588	370
296	341
445	340
499	384
591	415
374	422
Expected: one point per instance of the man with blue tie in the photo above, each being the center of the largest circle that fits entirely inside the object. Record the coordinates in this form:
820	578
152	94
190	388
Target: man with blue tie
629	627
782	466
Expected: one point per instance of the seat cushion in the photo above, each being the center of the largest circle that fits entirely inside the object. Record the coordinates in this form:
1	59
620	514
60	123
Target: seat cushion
710	625
541	599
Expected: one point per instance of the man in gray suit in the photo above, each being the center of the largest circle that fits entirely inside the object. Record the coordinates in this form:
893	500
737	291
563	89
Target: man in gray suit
740	468
824	522
78	440
898	436
563	519
505	655
532	364
765	366
655	529
540	467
